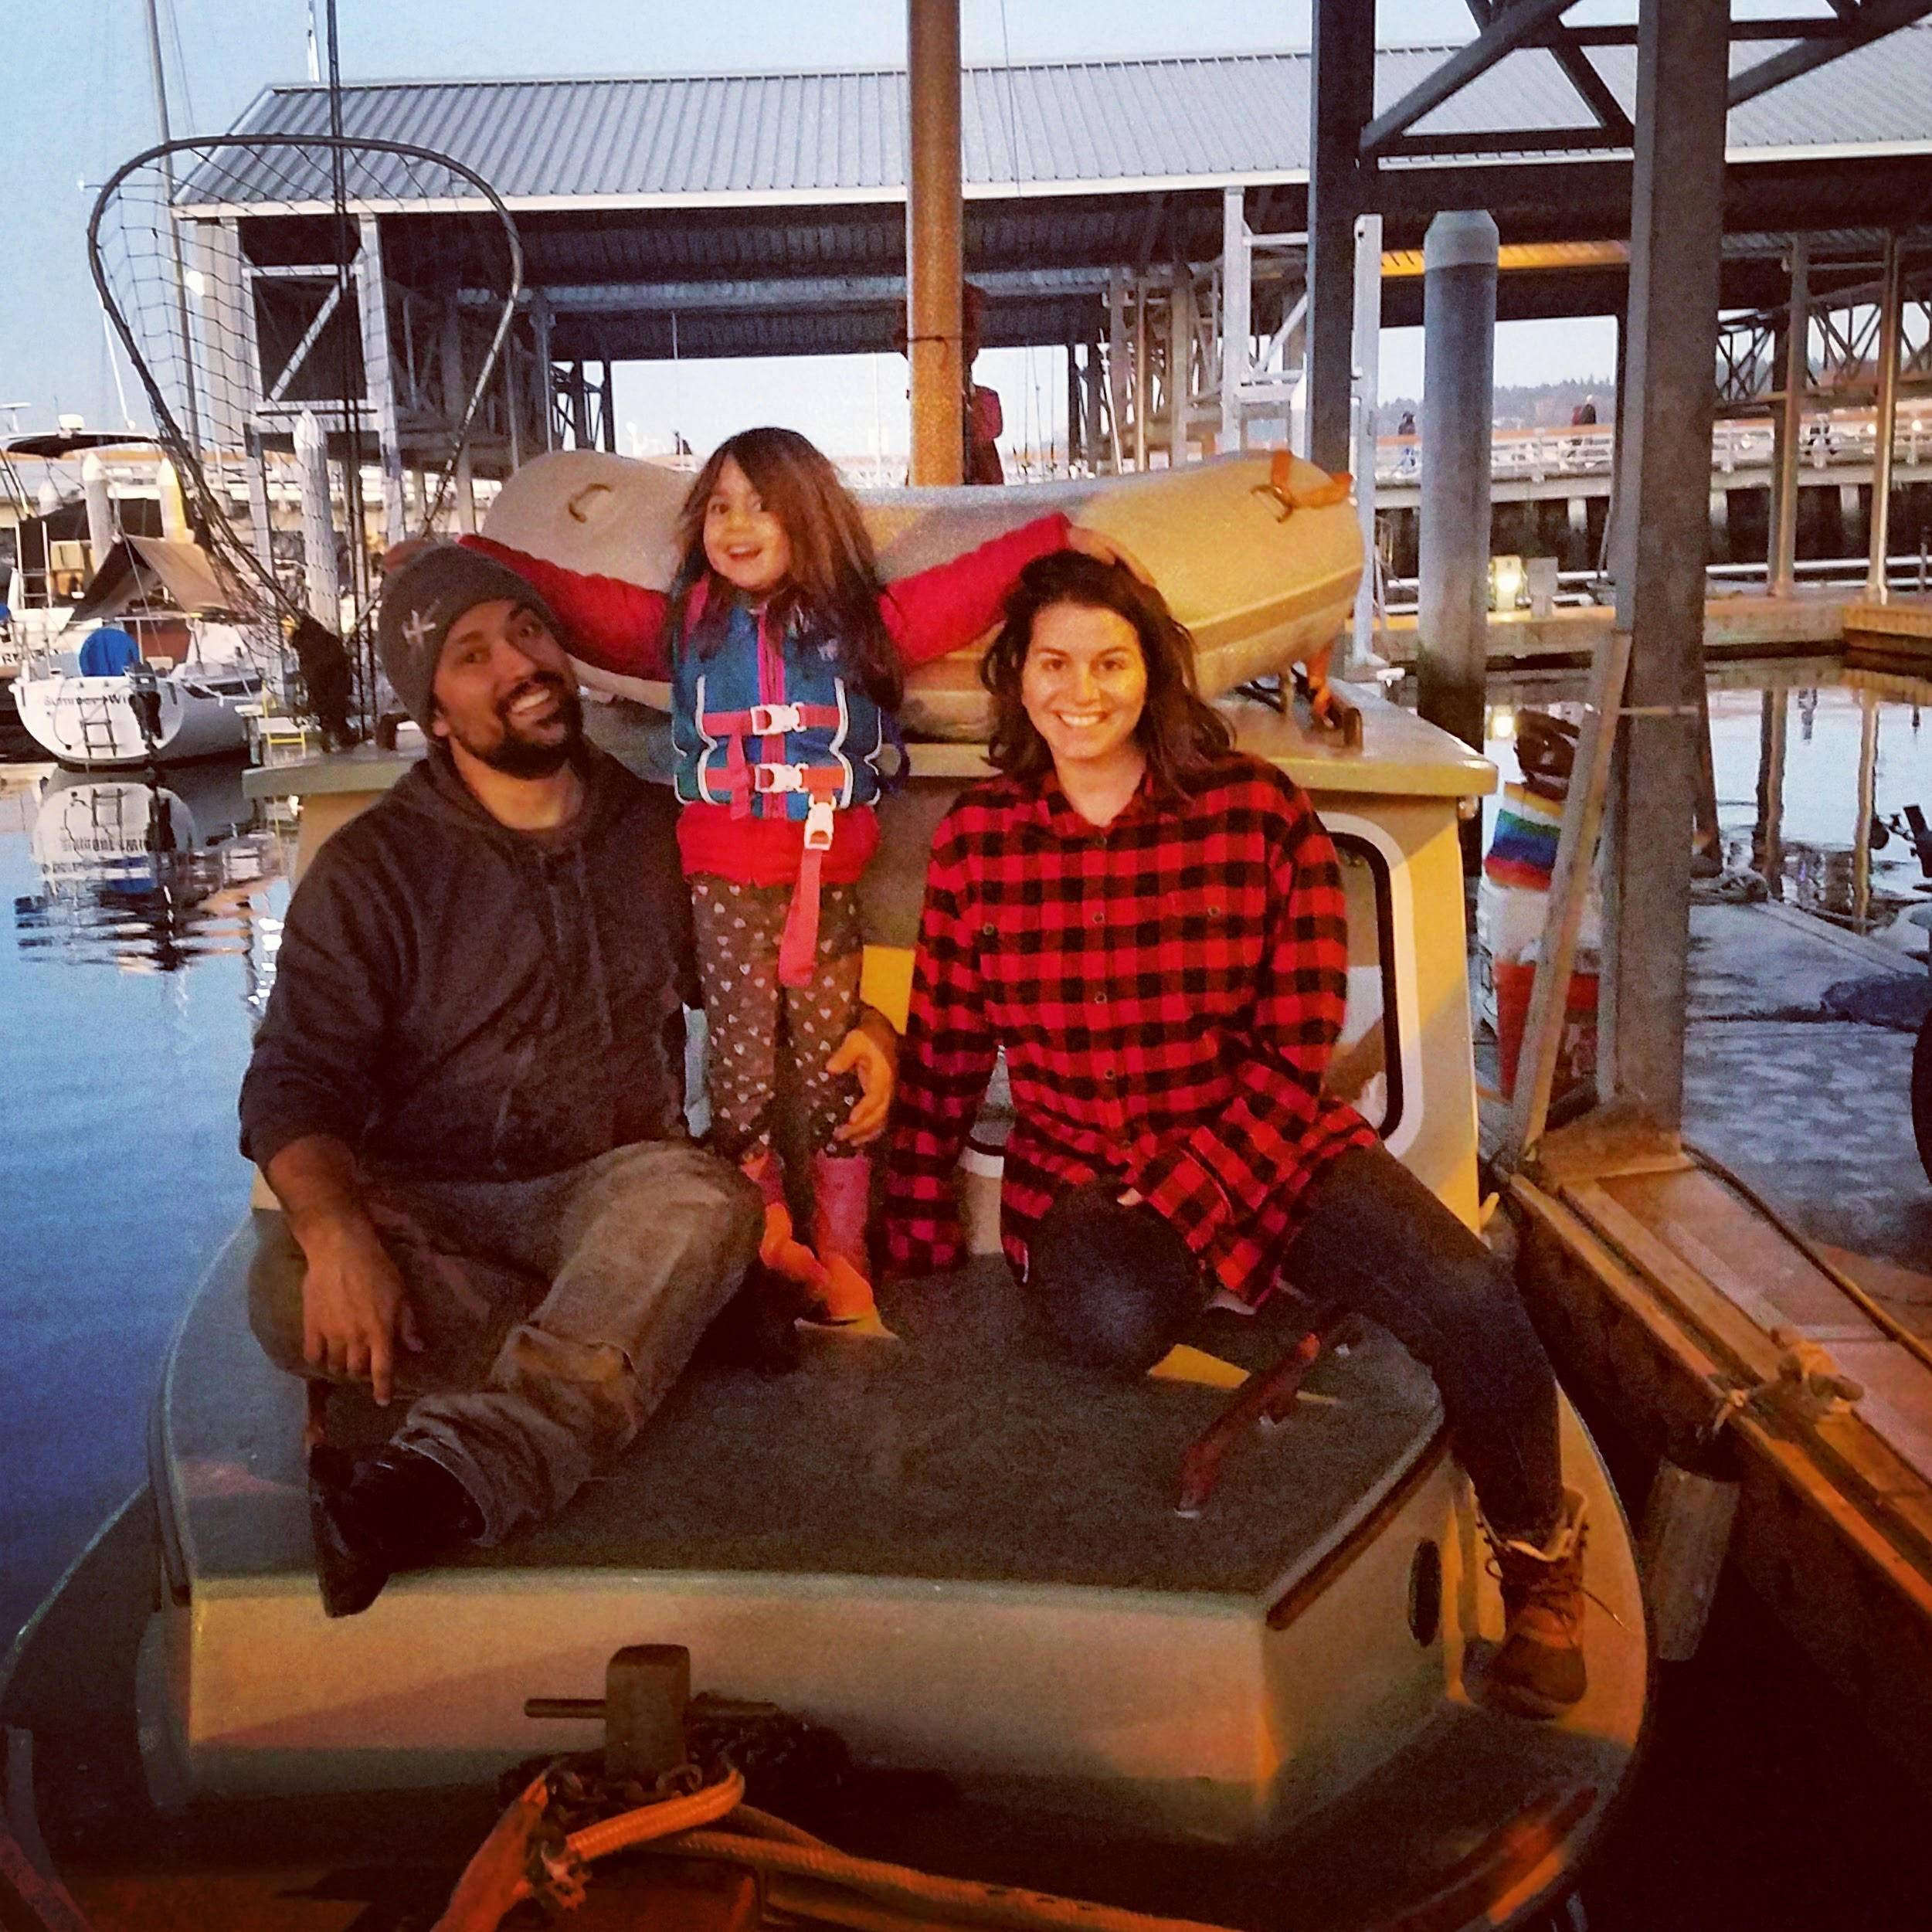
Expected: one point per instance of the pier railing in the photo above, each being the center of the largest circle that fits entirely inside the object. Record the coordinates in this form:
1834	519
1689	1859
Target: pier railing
1832	439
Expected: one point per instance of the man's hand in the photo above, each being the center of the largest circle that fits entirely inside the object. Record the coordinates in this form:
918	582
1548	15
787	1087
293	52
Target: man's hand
1104	549
354	1309
871	1050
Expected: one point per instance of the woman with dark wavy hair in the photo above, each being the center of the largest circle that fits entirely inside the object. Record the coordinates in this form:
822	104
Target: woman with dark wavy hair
1153	926
1179	734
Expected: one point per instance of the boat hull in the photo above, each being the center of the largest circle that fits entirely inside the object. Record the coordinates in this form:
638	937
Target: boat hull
1658	1287
91	723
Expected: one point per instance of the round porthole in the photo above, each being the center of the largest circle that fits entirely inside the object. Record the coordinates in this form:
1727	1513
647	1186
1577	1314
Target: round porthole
1425	1593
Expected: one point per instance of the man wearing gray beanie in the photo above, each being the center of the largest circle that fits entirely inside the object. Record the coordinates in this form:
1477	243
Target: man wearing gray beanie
467	1094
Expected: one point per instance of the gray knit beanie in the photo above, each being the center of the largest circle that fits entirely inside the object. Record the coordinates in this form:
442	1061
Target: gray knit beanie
420	602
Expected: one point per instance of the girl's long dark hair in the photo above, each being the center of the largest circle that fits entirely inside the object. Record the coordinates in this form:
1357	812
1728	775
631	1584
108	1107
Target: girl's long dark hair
1180	733
834	590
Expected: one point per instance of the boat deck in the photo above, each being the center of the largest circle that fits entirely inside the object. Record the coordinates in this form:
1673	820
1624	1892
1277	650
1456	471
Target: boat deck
956	1449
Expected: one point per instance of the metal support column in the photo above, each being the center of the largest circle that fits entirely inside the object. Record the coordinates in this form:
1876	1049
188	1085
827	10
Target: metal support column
1781	567
1143	387
1675	228
1368	353
255	467
1119	363
1180	336
456	397
378	378
1098	456
580	436
1341	104
1885	422
321	583
1236	315
546	375
1459	370
935	258
1076	429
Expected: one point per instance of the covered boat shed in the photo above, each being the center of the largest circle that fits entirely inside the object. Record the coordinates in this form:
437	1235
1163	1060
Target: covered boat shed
702	215
1661	171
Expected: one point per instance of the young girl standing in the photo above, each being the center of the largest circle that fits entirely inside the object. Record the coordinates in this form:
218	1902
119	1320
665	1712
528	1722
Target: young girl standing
786	656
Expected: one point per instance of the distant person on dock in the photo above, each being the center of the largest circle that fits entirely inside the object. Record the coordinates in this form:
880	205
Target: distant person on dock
468	1095
1584	416
1153	927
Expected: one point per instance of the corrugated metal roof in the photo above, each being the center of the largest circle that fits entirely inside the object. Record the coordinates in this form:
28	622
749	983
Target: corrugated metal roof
1061	127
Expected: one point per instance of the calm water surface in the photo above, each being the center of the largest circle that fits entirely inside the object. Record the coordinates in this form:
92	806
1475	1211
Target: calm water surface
127	977
142	939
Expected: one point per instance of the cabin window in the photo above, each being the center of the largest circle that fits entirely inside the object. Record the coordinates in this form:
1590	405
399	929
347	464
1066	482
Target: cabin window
1367	1068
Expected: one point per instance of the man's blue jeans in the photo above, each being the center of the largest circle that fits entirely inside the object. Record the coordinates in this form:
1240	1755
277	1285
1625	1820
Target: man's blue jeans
556	1313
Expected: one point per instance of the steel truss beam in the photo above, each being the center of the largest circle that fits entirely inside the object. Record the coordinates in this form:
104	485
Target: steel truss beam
1509	29
1504	26
1861	25
1841	347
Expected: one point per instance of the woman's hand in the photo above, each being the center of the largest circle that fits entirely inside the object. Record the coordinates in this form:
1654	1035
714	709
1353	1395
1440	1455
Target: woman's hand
871	1050
1104	549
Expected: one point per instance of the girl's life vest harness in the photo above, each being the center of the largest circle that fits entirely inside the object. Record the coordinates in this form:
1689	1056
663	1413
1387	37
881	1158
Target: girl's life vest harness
772	727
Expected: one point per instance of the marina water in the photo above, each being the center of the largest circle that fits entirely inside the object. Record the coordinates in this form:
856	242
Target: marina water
145	917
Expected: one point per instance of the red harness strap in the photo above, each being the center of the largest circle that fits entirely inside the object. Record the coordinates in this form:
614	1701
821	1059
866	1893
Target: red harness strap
798	943
761	721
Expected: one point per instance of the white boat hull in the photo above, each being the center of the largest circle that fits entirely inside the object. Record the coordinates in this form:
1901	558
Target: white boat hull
91	722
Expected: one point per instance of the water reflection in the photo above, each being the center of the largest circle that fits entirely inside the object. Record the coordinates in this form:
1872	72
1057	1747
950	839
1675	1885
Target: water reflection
150	874
1806	758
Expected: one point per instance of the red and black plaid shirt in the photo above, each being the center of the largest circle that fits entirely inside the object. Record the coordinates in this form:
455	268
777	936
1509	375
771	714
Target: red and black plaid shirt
1167	989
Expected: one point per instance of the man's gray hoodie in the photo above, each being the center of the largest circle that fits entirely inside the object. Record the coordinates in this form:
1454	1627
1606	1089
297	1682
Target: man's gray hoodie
459	1001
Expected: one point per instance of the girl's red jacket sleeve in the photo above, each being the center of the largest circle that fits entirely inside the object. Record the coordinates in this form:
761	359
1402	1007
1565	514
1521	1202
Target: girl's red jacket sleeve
939	609
620	627
610	623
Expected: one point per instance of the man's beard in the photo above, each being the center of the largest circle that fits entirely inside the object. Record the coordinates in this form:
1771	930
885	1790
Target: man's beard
516	756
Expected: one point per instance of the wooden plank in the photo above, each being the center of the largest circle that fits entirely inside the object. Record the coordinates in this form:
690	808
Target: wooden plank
1895	1541
1894	620
1736	1250
1735	1338
1849	1449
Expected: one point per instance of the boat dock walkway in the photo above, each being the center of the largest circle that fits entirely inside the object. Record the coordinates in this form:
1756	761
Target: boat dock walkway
1812	1110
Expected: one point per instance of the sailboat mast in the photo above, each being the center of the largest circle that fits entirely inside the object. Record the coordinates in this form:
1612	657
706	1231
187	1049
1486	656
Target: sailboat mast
173	228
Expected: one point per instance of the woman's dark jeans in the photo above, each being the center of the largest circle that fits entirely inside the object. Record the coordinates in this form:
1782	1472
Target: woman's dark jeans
1374	1240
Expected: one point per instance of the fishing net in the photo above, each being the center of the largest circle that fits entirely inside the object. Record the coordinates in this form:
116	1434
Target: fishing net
320	326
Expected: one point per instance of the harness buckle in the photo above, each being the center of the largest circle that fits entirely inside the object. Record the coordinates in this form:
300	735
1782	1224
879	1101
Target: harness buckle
778	778
818	826
768	721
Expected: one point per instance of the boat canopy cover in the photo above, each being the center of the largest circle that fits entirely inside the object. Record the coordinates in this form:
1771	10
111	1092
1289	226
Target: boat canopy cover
108	652
136	567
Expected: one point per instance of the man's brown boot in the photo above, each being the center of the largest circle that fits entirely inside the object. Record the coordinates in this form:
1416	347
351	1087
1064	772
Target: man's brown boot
1539	1672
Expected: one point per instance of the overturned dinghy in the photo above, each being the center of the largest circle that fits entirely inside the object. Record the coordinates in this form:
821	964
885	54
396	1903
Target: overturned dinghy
1258	555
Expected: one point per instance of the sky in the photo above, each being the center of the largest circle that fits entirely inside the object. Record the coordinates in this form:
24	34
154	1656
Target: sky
80	101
